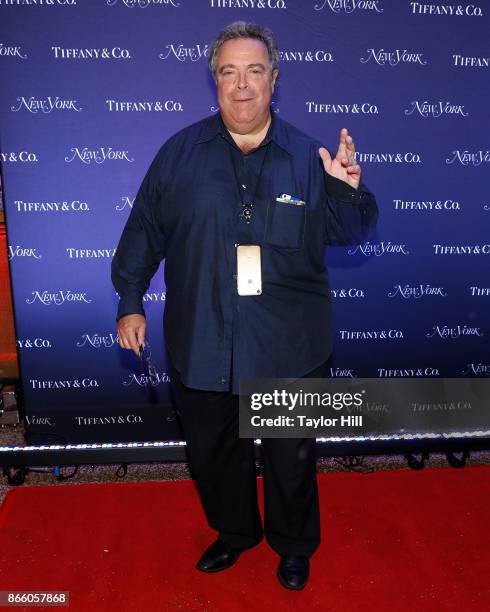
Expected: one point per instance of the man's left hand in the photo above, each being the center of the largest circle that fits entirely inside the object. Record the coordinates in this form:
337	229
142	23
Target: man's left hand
343	166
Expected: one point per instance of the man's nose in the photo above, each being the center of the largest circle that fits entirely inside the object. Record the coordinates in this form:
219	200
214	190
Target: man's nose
242	80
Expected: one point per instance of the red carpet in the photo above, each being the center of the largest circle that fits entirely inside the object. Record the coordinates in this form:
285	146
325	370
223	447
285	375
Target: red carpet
392	541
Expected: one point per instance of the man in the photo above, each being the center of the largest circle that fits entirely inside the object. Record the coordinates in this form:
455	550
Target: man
243	177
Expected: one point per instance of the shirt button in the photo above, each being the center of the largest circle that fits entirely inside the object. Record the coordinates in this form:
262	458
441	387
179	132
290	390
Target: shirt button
223	379
235	276
244	186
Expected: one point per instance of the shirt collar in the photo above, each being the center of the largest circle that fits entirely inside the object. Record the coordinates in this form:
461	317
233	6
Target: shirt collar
277	131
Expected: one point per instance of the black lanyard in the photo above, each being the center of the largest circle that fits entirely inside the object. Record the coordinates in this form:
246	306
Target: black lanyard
246	213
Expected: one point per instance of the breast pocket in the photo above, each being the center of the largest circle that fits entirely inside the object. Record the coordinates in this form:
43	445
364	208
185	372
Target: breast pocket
285	225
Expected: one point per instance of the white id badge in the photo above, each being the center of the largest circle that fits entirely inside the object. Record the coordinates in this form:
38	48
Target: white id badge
249	275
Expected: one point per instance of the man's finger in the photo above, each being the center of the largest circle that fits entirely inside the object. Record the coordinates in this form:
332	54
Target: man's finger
355	169
325	156
342	150
350	146
136	338
123	343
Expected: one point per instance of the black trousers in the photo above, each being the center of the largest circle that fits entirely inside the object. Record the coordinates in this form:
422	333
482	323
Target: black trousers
224	468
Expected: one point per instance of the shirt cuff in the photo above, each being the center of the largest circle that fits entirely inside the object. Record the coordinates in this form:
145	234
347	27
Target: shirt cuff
341	190
130	304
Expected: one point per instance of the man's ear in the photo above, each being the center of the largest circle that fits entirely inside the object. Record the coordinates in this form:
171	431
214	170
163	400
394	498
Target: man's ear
275	74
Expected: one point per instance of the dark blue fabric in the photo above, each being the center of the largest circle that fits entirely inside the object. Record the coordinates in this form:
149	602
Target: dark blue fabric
188	211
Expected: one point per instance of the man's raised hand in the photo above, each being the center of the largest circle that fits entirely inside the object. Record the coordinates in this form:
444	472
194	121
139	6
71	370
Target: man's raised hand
343	166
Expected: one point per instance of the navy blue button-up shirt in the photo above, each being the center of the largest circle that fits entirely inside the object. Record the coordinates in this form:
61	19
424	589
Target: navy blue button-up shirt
188	211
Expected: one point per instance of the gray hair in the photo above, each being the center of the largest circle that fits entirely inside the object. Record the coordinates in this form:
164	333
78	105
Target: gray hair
242	29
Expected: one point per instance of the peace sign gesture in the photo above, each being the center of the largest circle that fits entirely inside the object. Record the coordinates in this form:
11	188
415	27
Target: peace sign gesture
343	166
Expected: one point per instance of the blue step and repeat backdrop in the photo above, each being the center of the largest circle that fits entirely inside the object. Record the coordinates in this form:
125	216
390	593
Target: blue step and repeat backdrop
90	89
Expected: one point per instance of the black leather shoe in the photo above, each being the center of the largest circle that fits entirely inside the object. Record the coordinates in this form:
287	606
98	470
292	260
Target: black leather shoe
293	571
218	556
